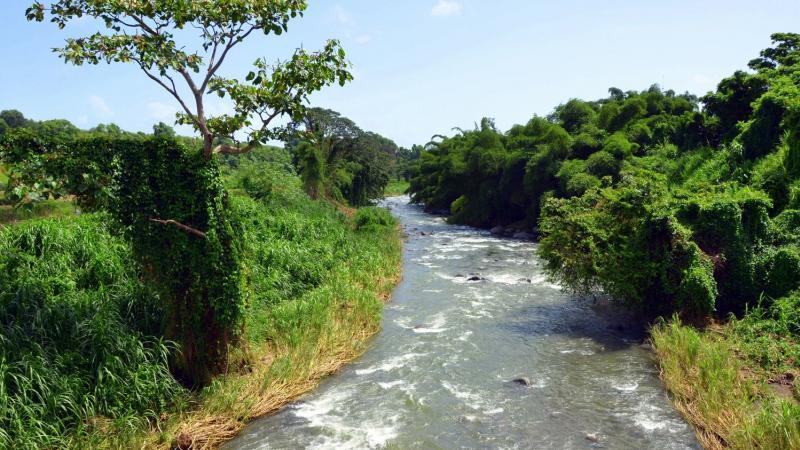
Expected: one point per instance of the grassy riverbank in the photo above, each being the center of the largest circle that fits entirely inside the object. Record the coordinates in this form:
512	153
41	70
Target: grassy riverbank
396	187
83	365
737	383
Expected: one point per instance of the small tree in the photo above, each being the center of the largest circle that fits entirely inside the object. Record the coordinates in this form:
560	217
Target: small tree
146	32
196	262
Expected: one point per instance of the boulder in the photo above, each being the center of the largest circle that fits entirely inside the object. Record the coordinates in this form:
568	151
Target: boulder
498	230
524	235
522	381
474	278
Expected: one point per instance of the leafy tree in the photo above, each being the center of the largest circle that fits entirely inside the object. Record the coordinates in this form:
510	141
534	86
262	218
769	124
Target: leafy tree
162	130
346	163
13	118
146	33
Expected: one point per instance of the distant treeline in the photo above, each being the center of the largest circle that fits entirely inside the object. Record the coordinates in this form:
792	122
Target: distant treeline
666	201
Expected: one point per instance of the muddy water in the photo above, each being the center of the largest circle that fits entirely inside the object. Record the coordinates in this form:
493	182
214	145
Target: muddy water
437	376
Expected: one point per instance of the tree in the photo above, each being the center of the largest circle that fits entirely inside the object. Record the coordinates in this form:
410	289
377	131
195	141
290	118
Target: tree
147	34
163	130
13	118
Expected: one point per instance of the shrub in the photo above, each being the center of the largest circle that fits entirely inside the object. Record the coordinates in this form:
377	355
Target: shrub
371	217
579	183
603	164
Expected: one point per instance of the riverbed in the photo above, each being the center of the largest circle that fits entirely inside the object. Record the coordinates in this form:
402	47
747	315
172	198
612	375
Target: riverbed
439	374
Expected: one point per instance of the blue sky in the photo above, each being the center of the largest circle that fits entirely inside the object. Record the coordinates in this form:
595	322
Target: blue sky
423	67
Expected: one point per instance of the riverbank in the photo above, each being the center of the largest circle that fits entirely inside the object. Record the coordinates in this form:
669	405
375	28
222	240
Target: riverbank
80	326
296	344
737	383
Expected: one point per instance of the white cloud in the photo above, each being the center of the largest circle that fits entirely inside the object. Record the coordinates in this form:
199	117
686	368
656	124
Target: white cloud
161	111
342	16
446	8
364	39
100	107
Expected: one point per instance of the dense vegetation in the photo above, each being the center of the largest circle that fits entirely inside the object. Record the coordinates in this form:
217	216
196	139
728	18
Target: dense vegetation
338	160
643	195
83	349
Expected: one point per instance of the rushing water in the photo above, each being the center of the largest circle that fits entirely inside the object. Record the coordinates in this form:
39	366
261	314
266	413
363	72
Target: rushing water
437	376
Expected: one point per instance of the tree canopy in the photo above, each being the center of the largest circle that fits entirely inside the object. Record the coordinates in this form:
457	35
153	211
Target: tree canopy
152	35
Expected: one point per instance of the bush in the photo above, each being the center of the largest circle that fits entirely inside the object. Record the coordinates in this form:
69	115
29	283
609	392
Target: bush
370	217
602	164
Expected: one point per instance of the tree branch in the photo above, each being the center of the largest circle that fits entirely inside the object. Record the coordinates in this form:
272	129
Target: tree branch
225	149
215	65
181	226
173	90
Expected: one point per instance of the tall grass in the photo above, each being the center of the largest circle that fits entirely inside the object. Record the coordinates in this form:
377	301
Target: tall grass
729	405
317	287
78	350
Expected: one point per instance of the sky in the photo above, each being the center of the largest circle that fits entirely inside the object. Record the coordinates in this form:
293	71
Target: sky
423	67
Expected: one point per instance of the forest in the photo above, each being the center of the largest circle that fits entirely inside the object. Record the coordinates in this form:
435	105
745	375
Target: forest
668	203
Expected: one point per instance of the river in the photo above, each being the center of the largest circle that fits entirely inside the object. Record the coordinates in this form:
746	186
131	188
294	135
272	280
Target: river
438	375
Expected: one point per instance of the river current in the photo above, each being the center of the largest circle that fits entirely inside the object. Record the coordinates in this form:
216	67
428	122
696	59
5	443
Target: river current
438	375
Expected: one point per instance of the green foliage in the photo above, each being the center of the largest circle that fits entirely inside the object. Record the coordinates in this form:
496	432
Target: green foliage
176	213
79	334
603	164
374	217
148	34
83	312
645	196
769	334
335	158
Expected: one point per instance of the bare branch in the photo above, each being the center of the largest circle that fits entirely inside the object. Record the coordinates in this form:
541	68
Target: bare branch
181	226
172	90
233	40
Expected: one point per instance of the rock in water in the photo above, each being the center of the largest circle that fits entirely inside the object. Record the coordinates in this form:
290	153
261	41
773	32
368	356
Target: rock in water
524	235
497	231
593	437
474	278
523	381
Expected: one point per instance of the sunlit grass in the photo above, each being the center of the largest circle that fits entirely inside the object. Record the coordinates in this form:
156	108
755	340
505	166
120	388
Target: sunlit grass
48	208
396	187
729	405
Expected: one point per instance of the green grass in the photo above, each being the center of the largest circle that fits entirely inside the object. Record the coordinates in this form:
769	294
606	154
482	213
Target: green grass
396	187
46	209
81	364
78	348
718	382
